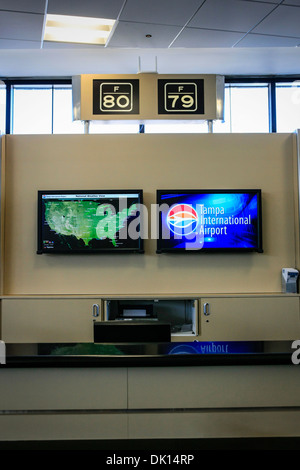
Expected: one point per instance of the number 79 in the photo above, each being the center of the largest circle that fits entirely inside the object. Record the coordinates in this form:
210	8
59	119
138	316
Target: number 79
187	101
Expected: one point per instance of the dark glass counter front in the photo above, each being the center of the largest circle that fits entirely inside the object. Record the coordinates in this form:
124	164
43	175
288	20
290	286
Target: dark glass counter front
150	354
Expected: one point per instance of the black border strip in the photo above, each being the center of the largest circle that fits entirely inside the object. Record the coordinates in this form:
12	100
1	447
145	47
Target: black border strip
192	360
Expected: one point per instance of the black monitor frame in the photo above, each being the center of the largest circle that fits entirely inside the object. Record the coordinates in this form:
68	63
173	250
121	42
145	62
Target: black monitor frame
163	249
139	248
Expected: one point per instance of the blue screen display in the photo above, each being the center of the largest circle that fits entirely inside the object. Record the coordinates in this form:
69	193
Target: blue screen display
209	220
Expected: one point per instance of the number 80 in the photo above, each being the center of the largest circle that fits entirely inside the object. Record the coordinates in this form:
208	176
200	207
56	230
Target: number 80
110	101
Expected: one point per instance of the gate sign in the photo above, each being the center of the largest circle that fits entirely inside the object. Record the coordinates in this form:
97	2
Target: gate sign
180	96
146	97
115	96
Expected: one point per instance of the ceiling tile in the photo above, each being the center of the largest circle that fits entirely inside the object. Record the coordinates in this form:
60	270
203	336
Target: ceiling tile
171	12
92	8
263	1
21	26
134	35
230	15
196	37
265	40
30	6
15	44
292	2
284	21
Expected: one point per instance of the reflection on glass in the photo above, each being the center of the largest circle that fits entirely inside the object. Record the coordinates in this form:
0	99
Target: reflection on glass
224	126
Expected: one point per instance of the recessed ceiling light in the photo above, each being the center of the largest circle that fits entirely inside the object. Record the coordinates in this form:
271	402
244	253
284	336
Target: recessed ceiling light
78	29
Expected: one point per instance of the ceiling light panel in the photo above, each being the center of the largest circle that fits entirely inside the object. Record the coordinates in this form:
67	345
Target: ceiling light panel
77	29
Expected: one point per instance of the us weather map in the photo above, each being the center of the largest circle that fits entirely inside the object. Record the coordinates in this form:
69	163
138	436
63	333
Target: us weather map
87	220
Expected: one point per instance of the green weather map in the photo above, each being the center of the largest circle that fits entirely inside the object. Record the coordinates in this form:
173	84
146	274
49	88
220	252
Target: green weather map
86	219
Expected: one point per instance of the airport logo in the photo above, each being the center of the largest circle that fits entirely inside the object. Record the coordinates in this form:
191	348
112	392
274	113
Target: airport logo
182	219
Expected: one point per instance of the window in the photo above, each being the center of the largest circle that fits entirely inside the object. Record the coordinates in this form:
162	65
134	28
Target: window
43	109
246	108
250	105
187	127
126	127
47	109
2	107
288	106
62	112
32	109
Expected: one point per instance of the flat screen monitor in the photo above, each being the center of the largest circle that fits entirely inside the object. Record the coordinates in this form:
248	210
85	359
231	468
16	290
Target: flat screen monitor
209	220
102	221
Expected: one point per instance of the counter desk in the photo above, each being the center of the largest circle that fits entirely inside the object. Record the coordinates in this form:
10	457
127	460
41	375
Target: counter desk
150	354
89	391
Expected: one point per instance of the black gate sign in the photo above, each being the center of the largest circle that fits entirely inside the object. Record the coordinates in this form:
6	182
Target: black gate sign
177	96
116	96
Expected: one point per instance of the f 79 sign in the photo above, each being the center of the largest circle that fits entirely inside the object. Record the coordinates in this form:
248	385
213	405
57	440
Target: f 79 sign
115	97
180	97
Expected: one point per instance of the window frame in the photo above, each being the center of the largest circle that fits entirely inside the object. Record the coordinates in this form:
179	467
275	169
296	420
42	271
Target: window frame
272	81
10	83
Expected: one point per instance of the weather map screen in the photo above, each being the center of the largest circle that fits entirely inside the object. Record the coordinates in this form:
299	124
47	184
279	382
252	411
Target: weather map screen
89	221
209	220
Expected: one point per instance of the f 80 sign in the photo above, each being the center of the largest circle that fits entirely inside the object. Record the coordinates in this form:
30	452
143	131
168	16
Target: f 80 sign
116	96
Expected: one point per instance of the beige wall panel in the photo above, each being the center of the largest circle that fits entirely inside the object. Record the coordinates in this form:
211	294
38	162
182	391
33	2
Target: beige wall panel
213	387
63	389
53	427
177	425
214	424
149	162
252	318
48	320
